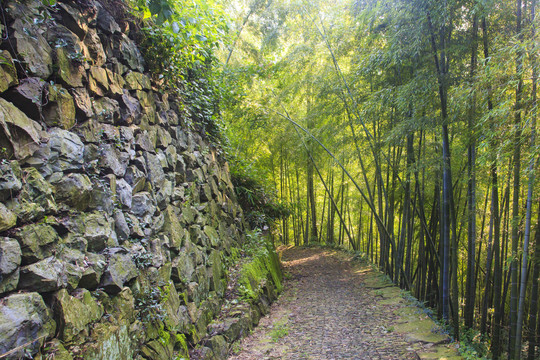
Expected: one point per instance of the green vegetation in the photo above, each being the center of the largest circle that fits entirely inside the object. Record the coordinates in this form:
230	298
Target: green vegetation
263	265
279	331
427	111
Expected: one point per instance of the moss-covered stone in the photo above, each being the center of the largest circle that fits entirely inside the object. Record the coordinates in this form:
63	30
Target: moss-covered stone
137	81
217	284
70	72
74	190
161	348
263	269
35	199
8	219
60	110
24	319
121	269
10	179
173	228
212	235
97	230
219	346
8	73
109	341
20	135
76	312
177	318
56	350
122	306
37	242
33	49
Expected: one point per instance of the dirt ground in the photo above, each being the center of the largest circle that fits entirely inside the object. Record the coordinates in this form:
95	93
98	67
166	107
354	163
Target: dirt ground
336	308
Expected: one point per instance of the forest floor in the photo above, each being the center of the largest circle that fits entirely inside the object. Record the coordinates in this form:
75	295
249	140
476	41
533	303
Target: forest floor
333	307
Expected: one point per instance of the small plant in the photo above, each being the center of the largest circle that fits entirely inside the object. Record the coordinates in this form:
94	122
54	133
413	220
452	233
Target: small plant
236	347
279	331
149	305
143	260
471	345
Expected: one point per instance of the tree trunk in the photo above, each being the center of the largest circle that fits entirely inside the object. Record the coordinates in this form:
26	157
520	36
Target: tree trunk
471	190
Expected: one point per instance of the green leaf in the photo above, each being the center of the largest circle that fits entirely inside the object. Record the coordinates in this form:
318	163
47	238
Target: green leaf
200	38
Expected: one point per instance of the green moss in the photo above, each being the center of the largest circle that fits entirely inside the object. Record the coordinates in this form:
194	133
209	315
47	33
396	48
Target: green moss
164	337
263	267
181	344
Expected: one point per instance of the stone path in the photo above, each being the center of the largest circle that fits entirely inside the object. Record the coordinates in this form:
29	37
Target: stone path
335	308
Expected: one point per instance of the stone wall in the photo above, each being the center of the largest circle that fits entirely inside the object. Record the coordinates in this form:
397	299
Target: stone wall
116	217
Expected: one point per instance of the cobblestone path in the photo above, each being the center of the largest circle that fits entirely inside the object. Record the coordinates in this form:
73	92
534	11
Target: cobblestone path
336	308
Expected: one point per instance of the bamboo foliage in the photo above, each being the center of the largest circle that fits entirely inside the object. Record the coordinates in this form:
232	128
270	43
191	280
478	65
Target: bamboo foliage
404	130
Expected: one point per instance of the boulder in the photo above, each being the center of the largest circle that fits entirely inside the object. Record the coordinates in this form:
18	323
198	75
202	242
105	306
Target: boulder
127	52
172	228
121	226
142	205
10	259
55	350
156	175
25	322
135	178
170	155
137	81
105	21
29	96
33	49
177	319
160	349
10	175
95	48
219	347
47	275
98	81
212	235
60	110
76	312
37	242
106	110
83	103
130	109
164	139
95	265
112	160
74	190
73	19
8	219
10	255
64	151
71	55
124	193
120	269
164	193
19	135
183	267
109	340
97	230
116	82
9	282
143	142
35	198
8	73
217	275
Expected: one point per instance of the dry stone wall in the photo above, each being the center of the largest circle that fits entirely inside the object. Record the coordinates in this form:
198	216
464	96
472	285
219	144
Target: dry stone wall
116	218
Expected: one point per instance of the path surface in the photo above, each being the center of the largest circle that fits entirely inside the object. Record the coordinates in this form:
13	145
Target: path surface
335	308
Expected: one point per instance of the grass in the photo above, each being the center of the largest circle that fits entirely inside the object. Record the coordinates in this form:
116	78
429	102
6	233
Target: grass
280	330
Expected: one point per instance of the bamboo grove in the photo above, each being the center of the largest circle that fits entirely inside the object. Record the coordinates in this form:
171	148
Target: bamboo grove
406	130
